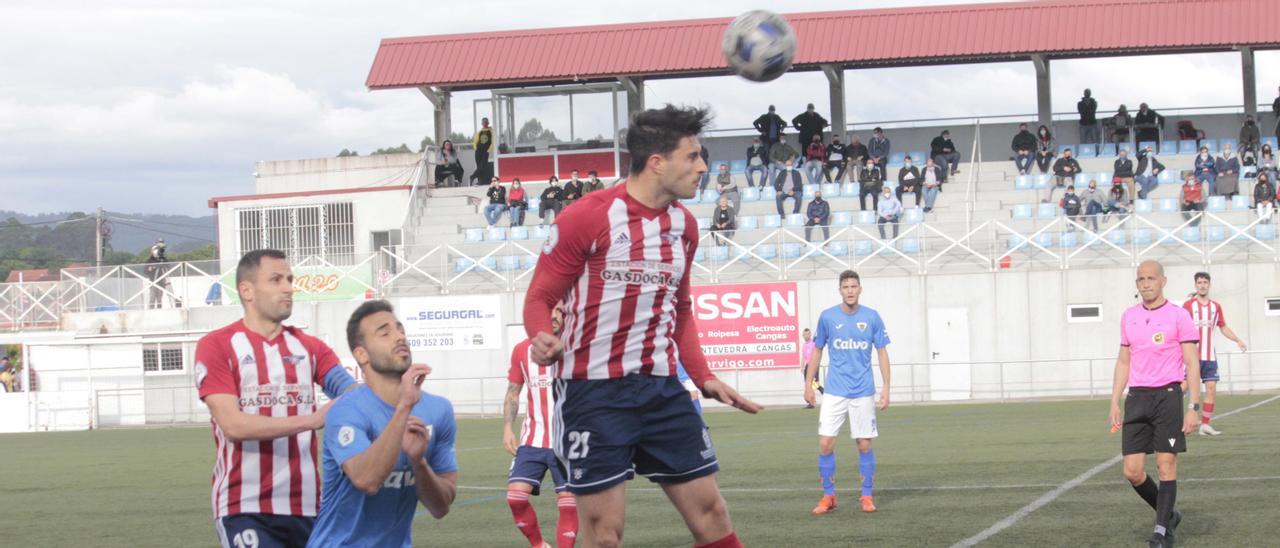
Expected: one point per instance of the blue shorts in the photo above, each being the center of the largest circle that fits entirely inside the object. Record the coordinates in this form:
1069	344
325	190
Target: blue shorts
1208	370
264	530
612	429
531	465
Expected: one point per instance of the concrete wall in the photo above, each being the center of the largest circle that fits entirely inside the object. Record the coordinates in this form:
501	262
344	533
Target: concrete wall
334	173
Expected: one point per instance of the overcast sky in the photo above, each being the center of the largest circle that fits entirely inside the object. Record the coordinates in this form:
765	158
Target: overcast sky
155	106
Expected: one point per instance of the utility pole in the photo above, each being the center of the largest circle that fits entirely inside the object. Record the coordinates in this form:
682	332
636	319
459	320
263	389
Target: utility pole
97	248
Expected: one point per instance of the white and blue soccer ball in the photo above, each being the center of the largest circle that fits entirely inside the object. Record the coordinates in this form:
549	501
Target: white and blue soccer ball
759	45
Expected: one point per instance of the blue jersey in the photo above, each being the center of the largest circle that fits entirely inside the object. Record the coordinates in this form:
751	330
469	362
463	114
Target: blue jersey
348	517
848	339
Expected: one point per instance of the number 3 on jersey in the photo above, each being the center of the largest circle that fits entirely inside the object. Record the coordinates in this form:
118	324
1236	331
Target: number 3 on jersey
578	445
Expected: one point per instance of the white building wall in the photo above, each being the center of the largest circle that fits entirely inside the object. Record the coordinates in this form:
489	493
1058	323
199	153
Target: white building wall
333	173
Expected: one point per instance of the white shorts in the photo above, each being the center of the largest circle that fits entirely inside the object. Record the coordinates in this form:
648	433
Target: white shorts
860	411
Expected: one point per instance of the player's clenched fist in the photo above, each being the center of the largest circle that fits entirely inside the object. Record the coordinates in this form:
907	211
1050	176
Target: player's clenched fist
546	348
416	439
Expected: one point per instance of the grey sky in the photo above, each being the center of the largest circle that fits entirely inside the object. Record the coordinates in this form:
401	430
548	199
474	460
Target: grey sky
155	106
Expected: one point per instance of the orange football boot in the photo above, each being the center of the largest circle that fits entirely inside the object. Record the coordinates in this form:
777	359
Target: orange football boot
827	504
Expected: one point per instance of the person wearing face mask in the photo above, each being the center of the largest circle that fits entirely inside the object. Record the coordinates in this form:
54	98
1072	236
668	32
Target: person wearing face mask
943	151
1204	170
551	205
787	184
1024	144
1267	162
1147	123
757	158
1071	205
1249	135
497	202
771	126
857	158
909	180
1147	175
1094	203
815	157
879	148
817	214
593	183
517	203
573	190
1227	165
1088	109
780	155
1123	169
727	188
1045	149
1264	197
1117	201
808	124
1121	123
724	221
1064	171
836	155
870	181
931	181
888	211
1193	199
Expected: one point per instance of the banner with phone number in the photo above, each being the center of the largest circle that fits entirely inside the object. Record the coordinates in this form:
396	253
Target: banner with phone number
472	322
748	326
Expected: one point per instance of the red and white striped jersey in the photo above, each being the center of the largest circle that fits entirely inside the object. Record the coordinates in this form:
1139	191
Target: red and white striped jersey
1206	316
273	378
629	262
540	405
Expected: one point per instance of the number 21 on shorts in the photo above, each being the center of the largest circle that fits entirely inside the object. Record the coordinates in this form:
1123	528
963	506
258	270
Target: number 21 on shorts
579	445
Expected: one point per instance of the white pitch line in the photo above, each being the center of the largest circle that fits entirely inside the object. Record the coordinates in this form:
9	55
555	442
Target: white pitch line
1069	485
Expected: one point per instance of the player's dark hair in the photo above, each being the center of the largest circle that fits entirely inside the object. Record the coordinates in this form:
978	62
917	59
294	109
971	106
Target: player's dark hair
659	131
366	309
250	262
849	274
1204	275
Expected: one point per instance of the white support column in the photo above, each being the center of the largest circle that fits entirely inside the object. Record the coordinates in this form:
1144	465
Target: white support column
635	93
442	102
835	88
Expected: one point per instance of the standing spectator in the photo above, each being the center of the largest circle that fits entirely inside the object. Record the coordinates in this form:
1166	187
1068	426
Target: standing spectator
787	184
808	124
818	214
1264	197
757	158
724	222
1227	166
497	202
857	158
943	151
706	175
1275	110
1071	205
1193	197
573	189
889	210
879	148
483	144
931	179
448	164
1095	202
837	153
1117	201
1123	169
1045	149
593	183
1064	172
870	181
517	202
727	187
1024	145
1249	135
1148	172
1205	171
1088	109
1147	124
551	202
158	276
815	158
771	126
781	155
909	180
1121	124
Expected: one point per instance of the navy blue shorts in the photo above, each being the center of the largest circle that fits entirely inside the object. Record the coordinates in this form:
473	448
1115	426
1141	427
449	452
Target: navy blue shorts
264	531
612	429
531	465
1208	370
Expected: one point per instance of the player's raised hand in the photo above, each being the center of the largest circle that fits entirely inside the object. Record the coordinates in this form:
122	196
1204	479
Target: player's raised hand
546	348
416	439
509	441
317	418
719	391
411	383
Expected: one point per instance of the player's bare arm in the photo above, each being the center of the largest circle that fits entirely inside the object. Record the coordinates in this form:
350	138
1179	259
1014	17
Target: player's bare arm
884	374
240	426
1117	388
811	373
510	409
435	491
1191	360
1228	333
370	469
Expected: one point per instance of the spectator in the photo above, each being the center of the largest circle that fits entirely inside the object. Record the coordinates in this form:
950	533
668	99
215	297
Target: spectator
1045	149
931	177
1227	166
1249	135
573	189
706	175
757	158
1064	172
727	187
448	165
1275	110
870	181
808	124
889	210
943	151
593	183
1204	170
771	127
879	149
837	153
1147	124
1095	202
159	276
1121	123
1267	162
517	203
551	201
787	184
1148	172
724	222
1123	169
1088	109
1193	196
1264	197
497	202
909	180
1071	205
815	157
1024	144
483	144
779	156
1117	201
857	158
818	214
6	375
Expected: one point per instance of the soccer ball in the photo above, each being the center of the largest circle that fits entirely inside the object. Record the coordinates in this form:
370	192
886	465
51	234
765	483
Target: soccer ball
759	45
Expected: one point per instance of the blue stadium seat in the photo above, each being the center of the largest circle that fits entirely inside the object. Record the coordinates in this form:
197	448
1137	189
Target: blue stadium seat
1125	146
1142	206
918	157
462	264
1265	232
909	198
1042	180
771	221
809	191
490	262
528	261
1103	178
508	263
1068	239
1015	240
540	232
534	202
791	250
830	190
838	248
710	195
1045	239
748	222
1168	205
1116	236
1108	151
767	252
912	216
1169	176
1216	203
1143	146
495	234
1141	236
842	218
1212	145
473	235
518	233
896	158
1217	233
910	245
704	223
1046	211
795	219
700	255
1022	182
750	194
862	247
737	167
1022	211
1063	148
850	189
1240	202
769	194
1087	151
1189	234
1167	148
1185	148
719	253
866	217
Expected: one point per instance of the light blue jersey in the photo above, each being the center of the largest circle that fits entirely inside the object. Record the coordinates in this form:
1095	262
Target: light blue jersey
848	339
348	517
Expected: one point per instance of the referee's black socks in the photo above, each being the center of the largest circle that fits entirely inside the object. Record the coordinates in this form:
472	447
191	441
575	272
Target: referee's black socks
1148	491
1164	505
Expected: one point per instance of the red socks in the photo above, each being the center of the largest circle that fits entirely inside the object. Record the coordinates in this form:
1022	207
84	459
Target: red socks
1208	413
567	525
729	541
526	519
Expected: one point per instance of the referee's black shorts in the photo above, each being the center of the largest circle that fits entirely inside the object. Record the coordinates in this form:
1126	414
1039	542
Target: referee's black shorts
1153	420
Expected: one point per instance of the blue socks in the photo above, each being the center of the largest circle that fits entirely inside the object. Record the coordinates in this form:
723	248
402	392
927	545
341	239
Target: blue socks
827	469
866	465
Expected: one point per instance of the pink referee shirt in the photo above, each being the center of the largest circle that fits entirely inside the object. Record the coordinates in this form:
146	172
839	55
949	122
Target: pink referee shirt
1154	338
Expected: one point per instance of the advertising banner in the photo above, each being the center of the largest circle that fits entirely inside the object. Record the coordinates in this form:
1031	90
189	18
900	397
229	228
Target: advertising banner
749	326
471	322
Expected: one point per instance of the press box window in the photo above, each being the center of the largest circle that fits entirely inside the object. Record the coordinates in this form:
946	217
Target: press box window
1084	313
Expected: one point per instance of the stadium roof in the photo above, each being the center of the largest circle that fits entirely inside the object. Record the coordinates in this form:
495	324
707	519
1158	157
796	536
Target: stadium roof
968	33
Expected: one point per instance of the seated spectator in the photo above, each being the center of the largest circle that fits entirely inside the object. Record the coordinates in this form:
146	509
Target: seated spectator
817	214
706	175
1267	162
1095	203
448	165
815	157
1123	168
1193	198
1064	172
931	179
497	202
551	204
1117	201
1045	149
943	151
1227	179
1264	197
857	158
756	163
1121	124
1024	145
780	155
1250	136
1147	124
909	180
1071	205
517	203
593	183
1204	170
572	190
836	155
871	179
727	187
879	149
888	210
787	184
1148	172
724	221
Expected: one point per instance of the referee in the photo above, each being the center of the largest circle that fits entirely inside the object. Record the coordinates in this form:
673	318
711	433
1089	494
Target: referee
1157	346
